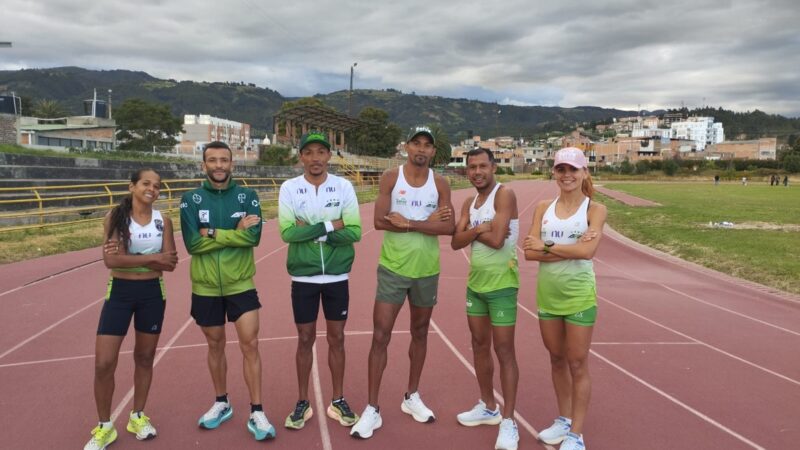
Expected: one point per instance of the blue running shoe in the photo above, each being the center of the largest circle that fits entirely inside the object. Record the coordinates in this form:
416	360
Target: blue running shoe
220	412
260	426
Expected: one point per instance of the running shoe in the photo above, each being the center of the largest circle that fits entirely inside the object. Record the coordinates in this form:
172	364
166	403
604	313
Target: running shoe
140	425
480	415
102	437
260	426
413	405
557	432
297	419
369	422
220	412
573	442
508	437
340	411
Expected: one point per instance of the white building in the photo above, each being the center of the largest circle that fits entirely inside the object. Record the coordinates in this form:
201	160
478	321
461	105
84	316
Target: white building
701	130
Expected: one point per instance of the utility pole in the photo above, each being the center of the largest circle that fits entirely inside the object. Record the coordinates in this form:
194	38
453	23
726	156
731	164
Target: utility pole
350	93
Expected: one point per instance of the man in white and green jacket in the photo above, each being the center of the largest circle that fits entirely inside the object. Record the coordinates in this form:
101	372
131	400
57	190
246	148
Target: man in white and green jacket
318	216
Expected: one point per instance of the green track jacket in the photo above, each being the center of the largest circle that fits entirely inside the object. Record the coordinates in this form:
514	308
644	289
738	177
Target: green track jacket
222	265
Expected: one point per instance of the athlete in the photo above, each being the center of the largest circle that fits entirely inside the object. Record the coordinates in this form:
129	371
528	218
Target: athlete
489	223
139	247
318	216
566	290
221	223
414	208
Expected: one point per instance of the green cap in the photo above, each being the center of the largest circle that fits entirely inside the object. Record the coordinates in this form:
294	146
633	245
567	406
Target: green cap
314	136
416	131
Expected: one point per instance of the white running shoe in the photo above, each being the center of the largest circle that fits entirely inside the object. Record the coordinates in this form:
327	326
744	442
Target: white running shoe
508	437
480	415
260	427
369	422
557	432
219	412
573	442
413	405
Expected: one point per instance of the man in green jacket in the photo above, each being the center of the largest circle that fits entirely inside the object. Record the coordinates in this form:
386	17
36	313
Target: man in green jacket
319	218
221	223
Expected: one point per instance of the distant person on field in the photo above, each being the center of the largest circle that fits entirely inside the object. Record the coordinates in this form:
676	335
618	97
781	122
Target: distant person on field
744	181
566	292
221	223
786	180
139	247
319	218
716	179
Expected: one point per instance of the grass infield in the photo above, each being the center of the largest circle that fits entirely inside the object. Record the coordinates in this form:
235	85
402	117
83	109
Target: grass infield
763	244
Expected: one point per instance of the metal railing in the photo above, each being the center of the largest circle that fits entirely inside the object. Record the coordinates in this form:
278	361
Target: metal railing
30	207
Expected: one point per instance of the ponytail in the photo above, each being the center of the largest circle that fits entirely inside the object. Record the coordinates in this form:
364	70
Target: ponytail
587	187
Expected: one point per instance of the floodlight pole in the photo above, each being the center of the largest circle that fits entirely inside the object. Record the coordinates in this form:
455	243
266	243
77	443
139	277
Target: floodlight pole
350	92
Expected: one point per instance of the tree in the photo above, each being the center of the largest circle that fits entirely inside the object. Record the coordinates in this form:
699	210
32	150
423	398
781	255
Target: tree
626	167
443	150
48	109
670	167
276	155
143	125
378	137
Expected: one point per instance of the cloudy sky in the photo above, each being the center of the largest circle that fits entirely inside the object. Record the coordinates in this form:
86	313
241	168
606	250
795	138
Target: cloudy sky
740	55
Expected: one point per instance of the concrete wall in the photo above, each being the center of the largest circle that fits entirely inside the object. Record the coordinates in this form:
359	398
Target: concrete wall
8	129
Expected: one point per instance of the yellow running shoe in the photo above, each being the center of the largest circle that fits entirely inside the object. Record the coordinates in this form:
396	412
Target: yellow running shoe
140	425
101	438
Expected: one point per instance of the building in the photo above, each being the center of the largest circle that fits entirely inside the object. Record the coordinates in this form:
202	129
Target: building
201	129
68	132
764	148
701	130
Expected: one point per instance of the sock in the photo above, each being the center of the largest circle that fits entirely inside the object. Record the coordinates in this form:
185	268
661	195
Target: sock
254	408
222	398
566	419
136	414
338	400
377	409
108	424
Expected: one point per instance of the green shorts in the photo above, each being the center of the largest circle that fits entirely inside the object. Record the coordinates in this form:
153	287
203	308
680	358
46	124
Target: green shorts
394	288
585	318
499	305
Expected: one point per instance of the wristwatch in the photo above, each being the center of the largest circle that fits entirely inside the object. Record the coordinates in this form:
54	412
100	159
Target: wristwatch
547	245
212	233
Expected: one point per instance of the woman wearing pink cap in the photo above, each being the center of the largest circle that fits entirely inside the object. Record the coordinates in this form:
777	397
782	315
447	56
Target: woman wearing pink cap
563	238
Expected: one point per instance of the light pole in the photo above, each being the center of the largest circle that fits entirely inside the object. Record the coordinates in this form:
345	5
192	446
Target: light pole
350	93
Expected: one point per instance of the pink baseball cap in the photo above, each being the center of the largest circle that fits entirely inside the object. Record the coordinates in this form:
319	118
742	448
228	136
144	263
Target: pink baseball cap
572	156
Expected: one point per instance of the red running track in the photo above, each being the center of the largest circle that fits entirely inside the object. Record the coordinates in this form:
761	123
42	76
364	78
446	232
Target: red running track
682	357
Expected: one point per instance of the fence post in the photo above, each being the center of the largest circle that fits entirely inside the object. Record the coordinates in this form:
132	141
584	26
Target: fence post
41	206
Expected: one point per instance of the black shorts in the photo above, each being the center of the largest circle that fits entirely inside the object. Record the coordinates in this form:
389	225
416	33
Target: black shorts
306	297
144	300
211	311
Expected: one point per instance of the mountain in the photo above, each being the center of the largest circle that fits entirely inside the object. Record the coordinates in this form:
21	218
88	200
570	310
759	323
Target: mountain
246	102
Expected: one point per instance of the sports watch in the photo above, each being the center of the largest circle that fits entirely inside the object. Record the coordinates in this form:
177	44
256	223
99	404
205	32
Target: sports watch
212	233
547	244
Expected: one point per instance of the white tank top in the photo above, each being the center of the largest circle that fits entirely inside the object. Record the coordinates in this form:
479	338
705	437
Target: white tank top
565	231
414	203
486	213
146	239
490	269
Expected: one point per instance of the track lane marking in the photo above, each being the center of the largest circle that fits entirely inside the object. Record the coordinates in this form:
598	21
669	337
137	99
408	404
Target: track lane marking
322	418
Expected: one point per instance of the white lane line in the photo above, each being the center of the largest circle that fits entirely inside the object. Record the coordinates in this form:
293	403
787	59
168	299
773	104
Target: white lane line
129	395
646	343
63	319
716	349
667	396
185	346
499	398
322	418
55	275
699	300
679	403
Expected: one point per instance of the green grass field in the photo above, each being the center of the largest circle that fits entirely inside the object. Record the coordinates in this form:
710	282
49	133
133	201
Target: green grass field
763	245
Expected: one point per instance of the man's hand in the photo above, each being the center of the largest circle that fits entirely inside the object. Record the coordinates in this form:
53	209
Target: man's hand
300	223
483	227
397	220
440	215
248	221
338	224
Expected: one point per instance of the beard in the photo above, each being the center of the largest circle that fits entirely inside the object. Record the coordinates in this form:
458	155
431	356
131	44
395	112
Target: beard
214	176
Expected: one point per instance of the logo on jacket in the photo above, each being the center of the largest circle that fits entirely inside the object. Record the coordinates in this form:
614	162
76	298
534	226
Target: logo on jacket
330	189
238	214
400	201
332	203
302	190
204	215
159	224
242	197
196	198
416	203
255	203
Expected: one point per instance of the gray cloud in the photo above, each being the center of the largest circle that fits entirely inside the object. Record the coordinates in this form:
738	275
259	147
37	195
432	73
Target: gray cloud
622	53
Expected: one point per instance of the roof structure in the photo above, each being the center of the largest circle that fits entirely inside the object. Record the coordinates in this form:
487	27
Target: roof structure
319	117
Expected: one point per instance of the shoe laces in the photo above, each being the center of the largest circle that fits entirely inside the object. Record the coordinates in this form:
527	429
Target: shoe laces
260	420
216	410
509	427
99	434
299	409
342	405
415	400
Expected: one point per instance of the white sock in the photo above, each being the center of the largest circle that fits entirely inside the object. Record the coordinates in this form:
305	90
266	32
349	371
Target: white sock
108	424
